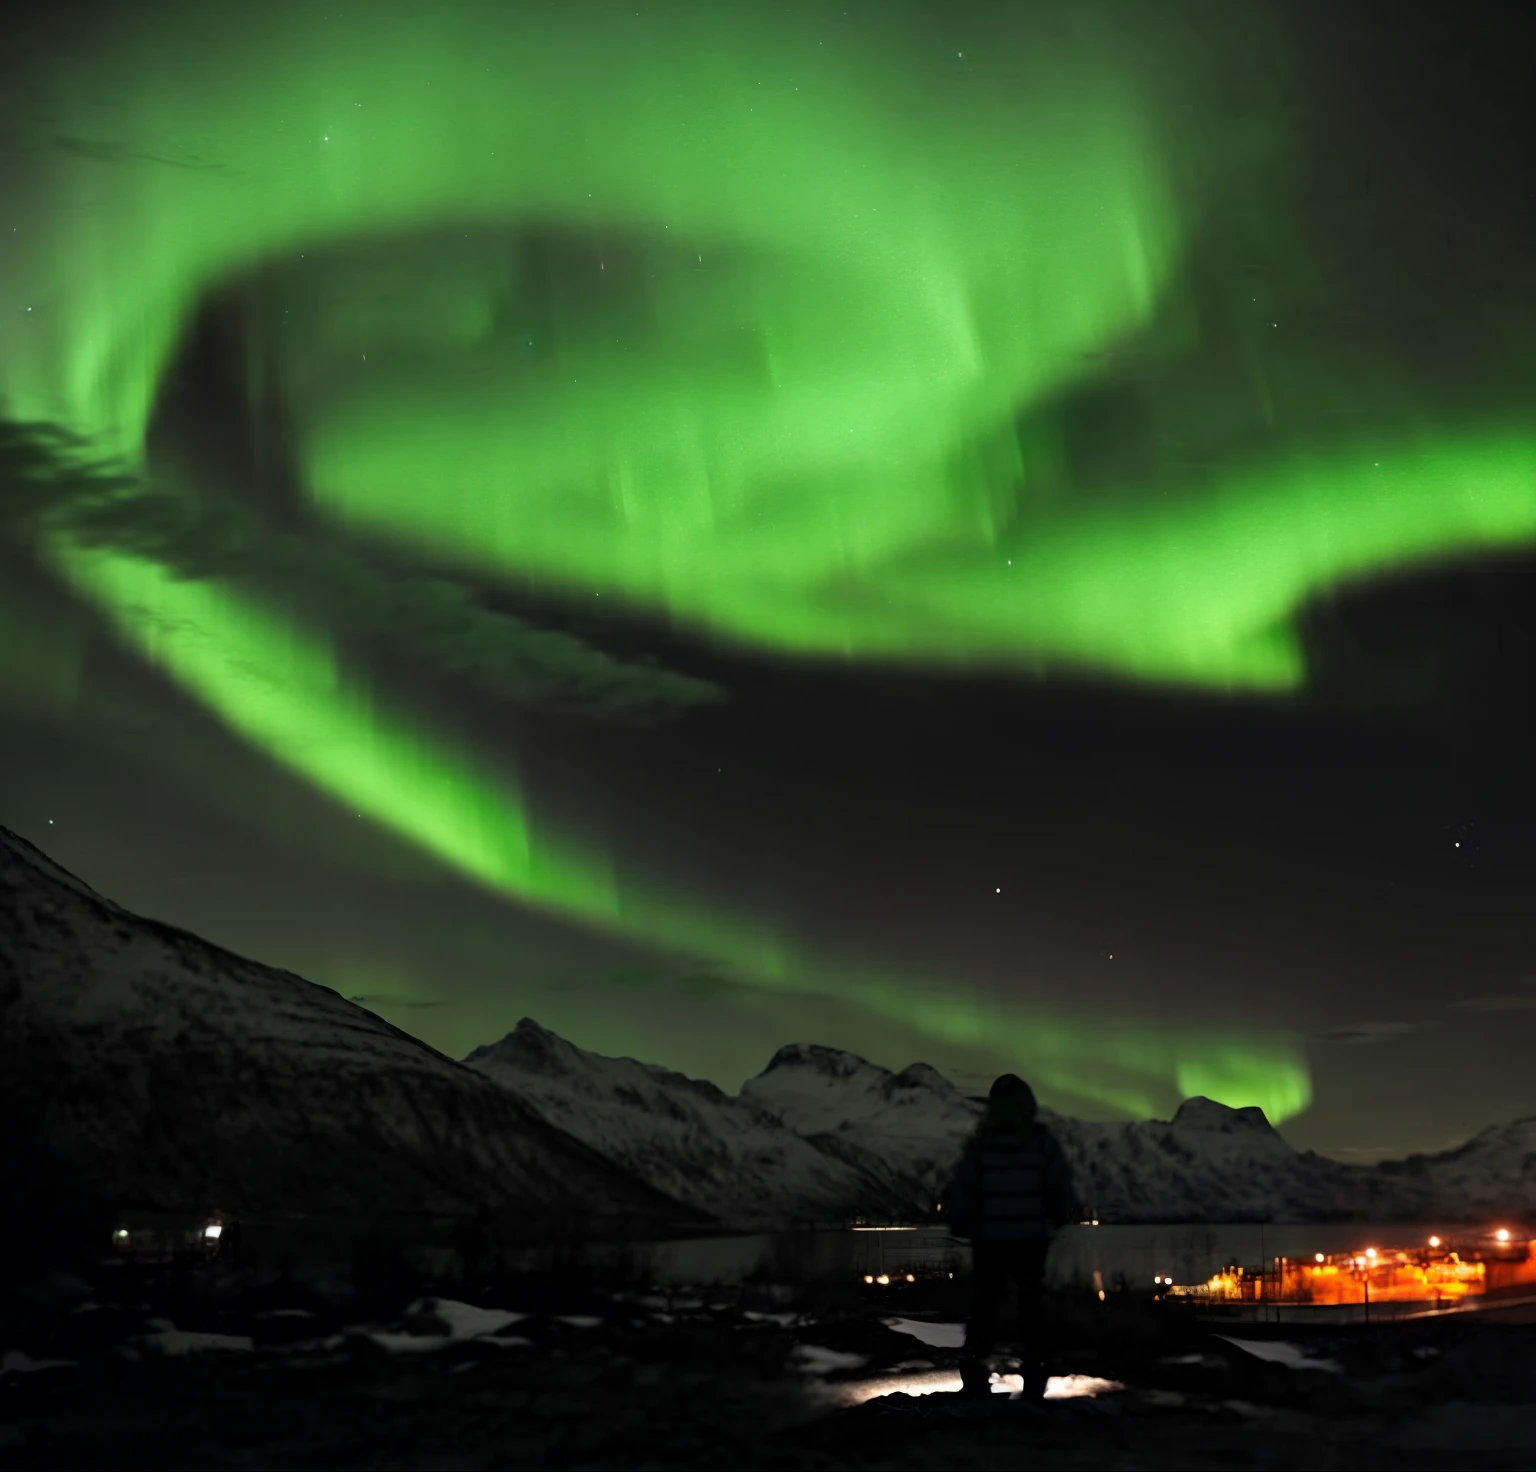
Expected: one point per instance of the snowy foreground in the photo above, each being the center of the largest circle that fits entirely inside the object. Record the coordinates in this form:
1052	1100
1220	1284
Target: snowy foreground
566	1376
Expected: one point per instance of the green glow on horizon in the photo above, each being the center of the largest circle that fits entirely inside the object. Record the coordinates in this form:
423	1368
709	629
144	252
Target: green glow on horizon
838	272
283	689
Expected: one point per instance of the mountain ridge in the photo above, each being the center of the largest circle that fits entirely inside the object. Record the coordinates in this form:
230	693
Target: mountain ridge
900	1134
721	1154
170	1073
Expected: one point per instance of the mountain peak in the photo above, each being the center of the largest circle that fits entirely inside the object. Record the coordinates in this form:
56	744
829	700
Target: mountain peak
726	1156
923	1076
1207	1115
31	855
828	1062
532	1047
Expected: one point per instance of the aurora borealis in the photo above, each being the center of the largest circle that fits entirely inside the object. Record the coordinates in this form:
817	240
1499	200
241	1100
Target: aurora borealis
804	338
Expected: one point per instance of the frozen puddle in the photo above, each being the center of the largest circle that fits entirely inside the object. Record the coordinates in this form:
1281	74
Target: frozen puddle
1070	1387
946	1335
1281	1352
926	1382
947	1382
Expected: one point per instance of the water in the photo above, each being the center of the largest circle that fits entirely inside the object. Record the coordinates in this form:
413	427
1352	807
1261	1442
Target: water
1132	1257
1111	1257
1122	1256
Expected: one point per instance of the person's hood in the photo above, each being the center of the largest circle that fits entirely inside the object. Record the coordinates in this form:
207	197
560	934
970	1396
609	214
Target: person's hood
1007	1116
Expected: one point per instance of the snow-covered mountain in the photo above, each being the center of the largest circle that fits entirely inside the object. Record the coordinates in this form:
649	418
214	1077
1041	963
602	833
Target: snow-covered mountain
910	1125
1494	1171
725	1155
1212	1163
168	1073
899	1135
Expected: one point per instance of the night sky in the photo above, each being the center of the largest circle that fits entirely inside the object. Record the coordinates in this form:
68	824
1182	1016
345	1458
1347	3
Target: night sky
999	535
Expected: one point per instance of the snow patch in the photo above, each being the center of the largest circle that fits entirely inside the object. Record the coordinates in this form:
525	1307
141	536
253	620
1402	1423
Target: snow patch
464	1323
190	1341
939	1335
18	1362
1281	1352
464	1320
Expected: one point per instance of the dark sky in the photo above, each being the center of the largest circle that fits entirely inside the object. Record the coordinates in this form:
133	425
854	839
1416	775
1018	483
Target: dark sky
1334	877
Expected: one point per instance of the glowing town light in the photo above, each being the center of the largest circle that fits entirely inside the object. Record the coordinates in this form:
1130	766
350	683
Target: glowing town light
1370	1252
910	1278
884	1278
121	1234
212	1232
1319	1256
869	1277
1502	1234
1433	1242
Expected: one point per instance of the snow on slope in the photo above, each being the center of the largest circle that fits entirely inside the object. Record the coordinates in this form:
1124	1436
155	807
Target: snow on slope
1209	1163
1494	1172
884	1144
170	1073
726	1156
910	1125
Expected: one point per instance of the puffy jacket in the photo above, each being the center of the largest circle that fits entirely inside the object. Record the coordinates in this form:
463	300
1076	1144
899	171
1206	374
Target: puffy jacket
1013	1184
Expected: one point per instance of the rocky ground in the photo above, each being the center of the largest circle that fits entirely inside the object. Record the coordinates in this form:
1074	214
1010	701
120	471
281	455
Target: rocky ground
202	1370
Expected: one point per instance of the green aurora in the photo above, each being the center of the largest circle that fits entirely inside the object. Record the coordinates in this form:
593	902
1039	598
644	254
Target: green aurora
768	394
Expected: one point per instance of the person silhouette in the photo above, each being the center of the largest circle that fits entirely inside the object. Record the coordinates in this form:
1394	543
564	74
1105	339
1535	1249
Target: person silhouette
1012	1189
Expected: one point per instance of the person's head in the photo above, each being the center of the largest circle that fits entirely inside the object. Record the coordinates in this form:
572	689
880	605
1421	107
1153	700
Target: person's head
1011	1102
